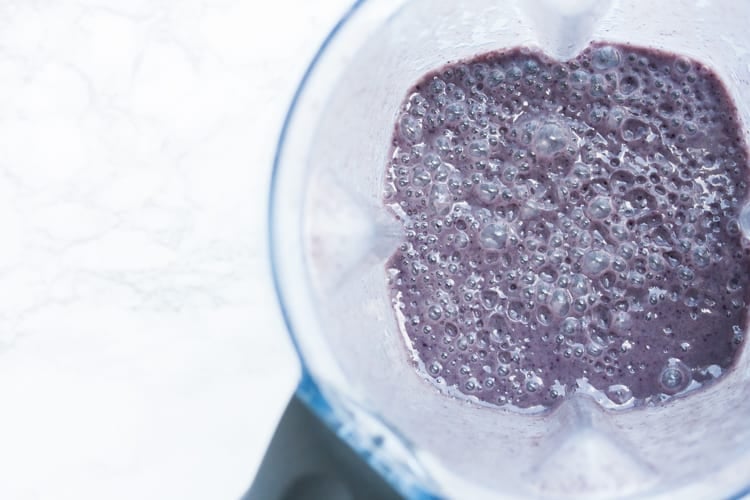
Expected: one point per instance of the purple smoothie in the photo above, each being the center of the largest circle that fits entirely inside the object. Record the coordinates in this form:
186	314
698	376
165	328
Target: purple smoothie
570	225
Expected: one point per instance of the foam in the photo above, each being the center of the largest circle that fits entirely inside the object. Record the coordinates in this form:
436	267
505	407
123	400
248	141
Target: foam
563	212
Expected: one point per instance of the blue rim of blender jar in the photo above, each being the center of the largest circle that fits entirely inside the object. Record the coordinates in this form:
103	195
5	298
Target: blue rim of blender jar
308	390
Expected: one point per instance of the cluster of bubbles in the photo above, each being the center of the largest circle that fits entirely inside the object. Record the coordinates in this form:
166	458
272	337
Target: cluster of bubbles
569	221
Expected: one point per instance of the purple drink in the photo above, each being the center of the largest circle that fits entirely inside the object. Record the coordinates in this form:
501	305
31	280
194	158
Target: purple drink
570	225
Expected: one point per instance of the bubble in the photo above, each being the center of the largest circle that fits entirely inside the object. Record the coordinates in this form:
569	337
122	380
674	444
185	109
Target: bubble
637	279
455	183
602	316
596	88
532	386
495	78
579	79
505	357
462	343
436	86
634	129
714	371
488	192
442	173
599	207
543	315
531	67
621	180
461	240
621	322
550	139
627	250
479	149
579	285
514	73
733	227
701	256
454	112
433	257
596	114
411	129
619	394
674	377
443	144
432	161
559	302
734	283
498	326
691	297
435	368
604	58
490	299
570	326
607	280
737	335
628	84
441	198
434	313
685	273
595	262
619	232
517	312
450	329
682	65
493	236
593	349
656	263
580	305
421	177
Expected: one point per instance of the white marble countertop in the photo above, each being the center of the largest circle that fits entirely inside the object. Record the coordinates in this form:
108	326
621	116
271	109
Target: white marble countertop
142	354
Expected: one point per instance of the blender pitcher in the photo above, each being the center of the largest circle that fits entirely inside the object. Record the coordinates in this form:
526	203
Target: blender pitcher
331	235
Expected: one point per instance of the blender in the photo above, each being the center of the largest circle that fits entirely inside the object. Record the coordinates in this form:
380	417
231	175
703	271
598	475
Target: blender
331	235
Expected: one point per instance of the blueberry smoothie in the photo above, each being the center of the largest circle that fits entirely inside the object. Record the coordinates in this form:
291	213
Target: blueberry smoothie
570	226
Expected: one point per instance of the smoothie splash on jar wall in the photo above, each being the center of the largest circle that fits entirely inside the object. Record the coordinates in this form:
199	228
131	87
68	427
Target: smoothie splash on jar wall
573	226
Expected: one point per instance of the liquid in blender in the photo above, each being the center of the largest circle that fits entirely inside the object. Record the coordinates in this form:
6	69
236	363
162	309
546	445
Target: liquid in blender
570	226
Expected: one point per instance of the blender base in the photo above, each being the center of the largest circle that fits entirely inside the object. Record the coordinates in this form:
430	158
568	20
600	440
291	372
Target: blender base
307	461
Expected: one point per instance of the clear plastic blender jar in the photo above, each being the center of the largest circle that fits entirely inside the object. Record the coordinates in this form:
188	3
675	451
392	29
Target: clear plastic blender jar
331	235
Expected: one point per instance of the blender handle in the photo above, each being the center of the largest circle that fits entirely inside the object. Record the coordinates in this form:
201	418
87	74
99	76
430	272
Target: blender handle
307	461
